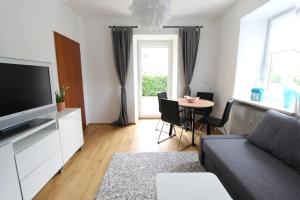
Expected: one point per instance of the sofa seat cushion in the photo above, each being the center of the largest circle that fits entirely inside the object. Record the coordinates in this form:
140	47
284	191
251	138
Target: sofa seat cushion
249	172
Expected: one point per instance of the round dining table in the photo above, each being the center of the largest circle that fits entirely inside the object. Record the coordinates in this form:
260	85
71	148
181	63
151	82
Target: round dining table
198	103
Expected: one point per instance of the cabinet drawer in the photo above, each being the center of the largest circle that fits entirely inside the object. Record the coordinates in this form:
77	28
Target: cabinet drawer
33	183
30	158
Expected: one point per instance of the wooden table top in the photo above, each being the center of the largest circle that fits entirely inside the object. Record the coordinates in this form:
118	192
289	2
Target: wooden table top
199	103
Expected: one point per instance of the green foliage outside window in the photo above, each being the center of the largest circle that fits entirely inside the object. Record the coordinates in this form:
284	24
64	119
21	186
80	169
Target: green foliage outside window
297	79
154	84
275	77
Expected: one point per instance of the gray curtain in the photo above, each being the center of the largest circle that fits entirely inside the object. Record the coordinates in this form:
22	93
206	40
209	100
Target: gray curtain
189	37
297	107
121	41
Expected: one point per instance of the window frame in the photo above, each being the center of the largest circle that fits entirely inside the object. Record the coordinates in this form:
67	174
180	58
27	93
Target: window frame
267	55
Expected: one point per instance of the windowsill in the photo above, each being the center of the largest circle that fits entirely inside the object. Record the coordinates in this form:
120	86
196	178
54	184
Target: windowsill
267	105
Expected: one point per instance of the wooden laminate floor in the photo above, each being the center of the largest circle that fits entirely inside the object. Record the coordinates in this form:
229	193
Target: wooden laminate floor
82	174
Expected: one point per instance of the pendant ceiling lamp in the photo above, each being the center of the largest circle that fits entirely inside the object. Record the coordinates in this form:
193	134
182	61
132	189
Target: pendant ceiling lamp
151	14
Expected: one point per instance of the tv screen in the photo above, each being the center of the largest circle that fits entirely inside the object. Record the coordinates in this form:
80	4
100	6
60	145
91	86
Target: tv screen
23	87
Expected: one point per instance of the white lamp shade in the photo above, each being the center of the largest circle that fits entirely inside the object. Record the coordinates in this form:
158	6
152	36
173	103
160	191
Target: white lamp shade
151	14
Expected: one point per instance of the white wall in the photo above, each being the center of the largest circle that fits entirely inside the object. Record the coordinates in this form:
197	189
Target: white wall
103	87
251	56
102	84
228	39
205	70
26	29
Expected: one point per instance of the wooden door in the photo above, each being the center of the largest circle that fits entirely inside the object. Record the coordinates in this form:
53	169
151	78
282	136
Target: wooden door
69	72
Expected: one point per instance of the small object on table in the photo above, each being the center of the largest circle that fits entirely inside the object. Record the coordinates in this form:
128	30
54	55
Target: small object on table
257	94
289	97
191	99
191	186
60	98
60	106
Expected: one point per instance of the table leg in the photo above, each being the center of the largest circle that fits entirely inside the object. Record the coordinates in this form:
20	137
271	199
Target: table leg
208	129
193	128
171	129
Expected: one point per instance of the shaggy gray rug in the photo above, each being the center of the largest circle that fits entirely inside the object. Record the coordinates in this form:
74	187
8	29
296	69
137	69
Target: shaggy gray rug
132	175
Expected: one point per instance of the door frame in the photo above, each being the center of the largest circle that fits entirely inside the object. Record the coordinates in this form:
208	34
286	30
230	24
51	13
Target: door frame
154	43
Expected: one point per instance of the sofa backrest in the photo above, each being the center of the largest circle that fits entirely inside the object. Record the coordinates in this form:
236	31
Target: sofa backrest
279	135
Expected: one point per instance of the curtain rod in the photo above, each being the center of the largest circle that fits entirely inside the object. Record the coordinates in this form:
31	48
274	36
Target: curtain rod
123	26
182	26
163	26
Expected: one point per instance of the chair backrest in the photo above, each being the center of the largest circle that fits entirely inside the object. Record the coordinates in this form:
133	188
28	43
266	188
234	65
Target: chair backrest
161	95
170	111
206	95
226	112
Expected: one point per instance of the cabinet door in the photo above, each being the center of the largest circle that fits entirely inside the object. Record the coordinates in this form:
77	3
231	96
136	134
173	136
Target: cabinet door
71	134
79	138
9	184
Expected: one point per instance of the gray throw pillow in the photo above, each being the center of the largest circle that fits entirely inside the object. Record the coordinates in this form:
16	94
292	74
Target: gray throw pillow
279	135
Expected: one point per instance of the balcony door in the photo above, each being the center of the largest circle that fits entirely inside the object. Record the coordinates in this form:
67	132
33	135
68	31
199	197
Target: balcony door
155	65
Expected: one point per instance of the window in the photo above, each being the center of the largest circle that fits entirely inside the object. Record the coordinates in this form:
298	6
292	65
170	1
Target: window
282	56
268	56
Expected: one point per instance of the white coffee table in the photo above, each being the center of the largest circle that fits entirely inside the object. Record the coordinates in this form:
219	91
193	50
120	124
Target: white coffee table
191	186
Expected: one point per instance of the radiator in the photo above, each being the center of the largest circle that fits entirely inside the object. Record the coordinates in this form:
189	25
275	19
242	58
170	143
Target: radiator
244	118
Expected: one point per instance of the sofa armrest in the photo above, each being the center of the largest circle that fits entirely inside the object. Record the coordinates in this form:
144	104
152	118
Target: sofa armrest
209	137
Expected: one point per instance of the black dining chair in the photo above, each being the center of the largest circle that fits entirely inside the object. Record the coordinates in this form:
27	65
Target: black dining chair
170	113
161	95
207	96
217	122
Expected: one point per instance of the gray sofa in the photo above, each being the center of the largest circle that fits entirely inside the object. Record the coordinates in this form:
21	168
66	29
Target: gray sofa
263	165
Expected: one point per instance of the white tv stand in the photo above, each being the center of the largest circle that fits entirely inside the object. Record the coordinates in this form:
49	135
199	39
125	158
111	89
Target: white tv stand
30	159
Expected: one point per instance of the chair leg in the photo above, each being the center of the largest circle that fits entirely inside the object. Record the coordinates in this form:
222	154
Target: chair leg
160	133
199	129
204	130
156	127
179	140
200	126
225	130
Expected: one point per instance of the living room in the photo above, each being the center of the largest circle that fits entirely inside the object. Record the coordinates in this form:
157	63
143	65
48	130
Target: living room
149	99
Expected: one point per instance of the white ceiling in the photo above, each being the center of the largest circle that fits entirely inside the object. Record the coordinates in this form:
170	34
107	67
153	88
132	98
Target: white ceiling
119	8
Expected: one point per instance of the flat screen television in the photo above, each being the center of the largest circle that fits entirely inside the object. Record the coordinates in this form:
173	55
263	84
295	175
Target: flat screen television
25	88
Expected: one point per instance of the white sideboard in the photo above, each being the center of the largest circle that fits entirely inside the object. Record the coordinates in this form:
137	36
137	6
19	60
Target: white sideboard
70	127
9	184
30	159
